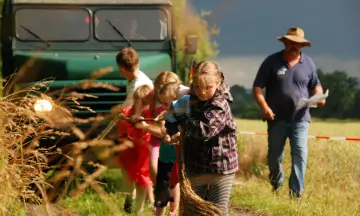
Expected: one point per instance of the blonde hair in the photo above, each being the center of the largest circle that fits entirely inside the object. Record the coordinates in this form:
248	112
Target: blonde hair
169	90
141	92
166	82
206	71
165	77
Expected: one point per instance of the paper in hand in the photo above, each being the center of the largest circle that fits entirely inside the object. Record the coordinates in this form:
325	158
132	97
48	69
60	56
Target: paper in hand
313	101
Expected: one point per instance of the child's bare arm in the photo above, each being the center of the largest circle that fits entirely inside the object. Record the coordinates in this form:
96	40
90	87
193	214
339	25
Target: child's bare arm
174	139
127	143
138	104
162	127
124	144
154	129
161	116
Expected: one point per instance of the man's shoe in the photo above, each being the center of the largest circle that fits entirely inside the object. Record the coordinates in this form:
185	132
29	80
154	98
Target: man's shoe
294	195
276	189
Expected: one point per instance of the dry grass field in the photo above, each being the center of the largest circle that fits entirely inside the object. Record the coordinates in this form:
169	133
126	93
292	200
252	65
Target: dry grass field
332	179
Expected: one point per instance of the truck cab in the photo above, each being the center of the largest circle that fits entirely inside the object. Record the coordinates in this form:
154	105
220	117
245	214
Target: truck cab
67	40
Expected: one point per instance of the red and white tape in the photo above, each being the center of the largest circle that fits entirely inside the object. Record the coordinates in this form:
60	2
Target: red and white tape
336	138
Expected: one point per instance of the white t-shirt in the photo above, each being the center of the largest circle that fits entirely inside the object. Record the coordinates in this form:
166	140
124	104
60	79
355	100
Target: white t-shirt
183	90
141	79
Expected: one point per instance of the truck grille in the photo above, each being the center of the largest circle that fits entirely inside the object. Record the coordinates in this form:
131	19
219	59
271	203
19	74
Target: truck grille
102	104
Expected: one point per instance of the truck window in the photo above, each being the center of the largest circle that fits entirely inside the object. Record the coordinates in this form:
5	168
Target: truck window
52	24
133	24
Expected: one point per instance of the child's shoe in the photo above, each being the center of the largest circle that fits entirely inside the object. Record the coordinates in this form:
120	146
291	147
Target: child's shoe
128	205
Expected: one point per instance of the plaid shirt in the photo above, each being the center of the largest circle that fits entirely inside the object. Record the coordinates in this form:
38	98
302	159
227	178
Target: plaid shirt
210	141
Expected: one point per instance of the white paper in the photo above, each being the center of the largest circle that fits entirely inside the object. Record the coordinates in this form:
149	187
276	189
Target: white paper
313	101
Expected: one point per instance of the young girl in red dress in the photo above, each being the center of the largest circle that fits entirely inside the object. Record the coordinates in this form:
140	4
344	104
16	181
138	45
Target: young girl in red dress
156	108
135	161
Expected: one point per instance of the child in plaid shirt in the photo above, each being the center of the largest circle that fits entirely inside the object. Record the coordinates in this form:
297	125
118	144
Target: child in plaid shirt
209	135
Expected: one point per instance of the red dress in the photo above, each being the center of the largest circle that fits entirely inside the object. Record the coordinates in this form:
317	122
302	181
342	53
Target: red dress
135	161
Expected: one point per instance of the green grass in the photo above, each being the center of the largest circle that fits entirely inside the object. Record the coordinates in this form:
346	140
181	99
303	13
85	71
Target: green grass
91	203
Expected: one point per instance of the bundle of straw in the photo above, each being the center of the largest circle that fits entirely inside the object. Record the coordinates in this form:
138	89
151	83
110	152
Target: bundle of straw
195	205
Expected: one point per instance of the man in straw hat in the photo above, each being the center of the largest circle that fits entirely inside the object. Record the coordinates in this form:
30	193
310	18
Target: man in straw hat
287	75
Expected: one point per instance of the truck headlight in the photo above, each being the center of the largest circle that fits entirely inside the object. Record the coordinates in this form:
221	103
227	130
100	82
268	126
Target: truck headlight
42	105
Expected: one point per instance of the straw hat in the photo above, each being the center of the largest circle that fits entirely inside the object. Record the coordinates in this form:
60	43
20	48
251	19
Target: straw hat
295	34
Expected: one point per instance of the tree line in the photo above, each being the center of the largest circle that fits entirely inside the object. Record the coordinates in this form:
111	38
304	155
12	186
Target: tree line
343	101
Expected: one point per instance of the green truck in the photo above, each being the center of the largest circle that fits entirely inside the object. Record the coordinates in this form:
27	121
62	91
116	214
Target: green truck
70	39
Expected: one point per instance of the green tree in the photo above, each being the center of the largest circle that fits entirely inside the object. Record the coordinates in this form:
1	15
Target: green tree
244	105
187	22
356	108
343	90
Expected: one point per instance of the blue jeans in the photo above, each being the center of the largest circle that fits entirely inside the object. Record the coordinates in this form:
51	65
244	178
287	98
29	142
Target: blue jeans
278	132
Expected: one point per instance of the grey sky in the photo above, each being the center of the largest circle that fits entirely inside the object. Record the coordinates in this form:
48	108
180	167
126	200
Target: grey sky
248	31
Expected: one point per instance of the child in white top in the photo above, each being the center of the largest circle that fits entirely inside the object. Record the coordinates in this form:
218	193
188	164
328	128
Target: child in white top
128	62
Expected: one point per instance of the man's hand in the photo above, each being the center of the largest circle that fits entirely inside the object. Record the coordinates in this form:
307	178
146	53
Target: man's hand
321	103
267	113
319	89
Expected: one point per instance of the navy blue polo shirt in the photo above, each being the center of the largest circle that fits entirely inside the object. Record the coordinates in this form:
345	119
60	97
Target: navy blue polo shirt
284	86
